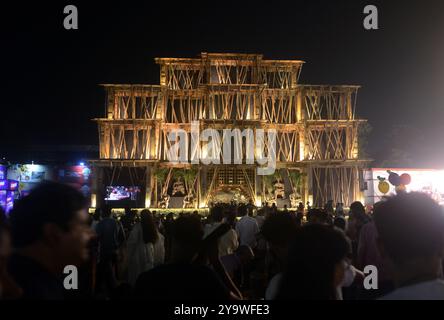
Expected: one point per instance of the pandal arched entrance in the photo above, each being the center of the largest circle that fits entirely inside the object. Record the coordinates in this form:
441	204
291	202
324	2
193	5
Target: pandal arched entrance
230	183
230	193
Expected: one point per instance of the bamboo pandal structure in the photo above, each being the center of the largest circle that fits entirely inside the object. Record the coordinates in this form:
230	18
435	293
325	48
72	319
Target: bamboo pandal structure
317	128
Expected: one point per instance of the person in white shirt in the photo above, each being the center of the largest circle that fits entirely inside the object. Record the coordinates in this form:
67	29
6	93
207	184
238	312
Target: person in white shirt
410	237
145	247
247	228
228	243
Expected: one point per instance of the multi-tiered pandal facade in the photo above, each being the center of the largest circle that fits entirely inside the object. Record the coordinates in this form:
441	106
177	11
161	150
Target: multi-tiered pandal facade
317	133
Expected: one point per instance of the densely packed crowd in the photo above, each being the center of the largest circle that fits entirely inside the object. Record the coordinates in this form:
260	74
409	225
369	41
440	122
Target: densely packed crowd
237	252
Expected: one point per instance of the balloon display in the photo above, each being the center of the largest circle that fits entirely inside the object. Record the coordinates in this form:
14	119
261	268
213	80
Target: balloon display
383	187
395	179
405	179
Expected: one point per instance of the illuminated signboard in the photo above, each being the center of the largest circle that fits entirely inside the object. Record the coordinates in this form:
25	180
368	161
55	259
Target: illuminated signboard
426	181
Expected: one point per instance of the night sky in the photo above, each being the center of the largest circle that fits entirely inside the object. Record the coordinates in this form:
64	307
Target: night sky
50	75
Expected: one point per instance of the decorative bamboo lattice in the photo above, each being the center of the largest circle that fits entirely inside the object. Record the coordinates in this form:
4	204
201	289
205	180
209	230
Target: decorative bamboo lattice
317	128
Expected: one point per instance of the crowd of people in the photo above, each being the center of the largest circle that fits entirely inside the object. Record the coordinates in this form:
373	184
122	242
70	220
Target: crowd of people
237	252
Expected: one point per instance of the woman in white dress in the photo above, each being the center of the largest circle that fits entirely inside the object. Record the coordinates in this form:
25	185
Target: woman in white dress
145	247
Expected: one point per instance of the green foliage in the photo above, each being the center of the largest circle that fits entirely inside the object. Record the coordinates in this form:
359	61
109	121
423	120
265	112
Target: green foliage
405	143
364	131
161	174
188	175
296	178
269	180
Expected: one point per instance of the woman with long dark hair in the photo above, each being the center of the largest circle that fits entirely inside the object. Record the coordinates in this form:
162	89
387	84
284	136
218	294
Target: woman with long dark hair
145	247
316	263
357	218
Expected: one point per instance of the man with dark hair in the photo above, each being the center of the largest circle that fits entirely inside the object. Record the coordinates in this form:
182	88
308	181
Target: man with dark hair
357	218
410	236
278	231
110	236
250	207
185	278
329	207
340	222
228	243
247	228
49	231
317	216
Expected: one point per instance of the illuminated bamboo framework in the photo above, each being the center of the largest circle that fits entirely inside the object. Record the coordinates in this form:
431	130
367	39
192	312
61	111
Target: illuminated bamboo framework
317	131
